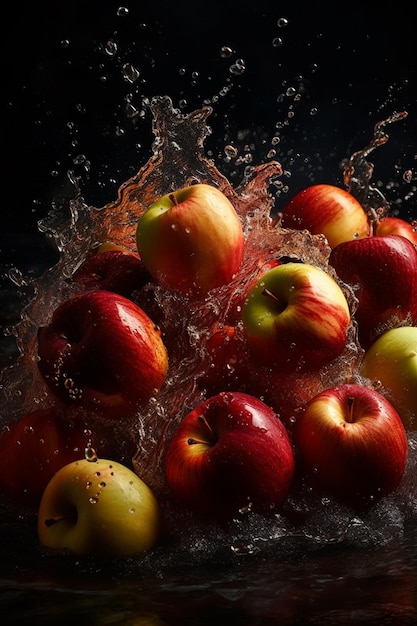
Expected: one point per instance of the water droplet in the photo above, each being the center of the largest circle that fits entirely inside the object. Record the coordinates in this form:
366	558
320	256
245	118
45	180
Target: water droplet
226	52
132	510
90	454
277	42
122	12
238	67
16	277
130	73
93	500
110	48
282	22
230	151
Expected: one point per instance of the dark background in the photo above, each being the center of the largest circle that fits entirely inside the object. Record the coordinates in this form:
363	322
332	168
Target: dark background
65	101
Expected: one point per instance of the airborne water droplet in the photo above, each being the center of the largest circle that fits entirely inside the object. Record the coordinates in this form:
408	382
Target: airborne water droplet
130	73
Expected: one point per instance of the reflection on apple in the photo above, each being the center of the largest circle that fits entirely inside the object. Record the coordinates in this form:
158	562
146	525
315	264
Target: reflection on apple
229	454
383	272
102	352
391	362
191	239
98	507
296	317
351	442
328	210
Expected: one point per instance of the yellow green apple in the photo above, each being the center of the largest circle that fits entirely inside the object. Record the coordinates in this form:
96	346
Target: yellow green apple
391	361
98	507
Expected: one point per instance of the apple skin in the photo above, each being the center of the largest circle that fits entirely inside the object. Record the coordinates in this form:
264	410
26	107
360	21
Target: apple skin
296	317
33	447
351	442
98	507
229	453
391	362
383	272
396	226
191	240
102	352
113	270
328	210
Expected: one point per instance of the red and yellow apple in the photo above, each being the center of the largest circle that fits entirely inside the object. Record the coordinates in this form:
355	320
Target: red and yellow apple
382	270
296	317
230	453
391	362
396	226
351	443
113	270
98	507
191	240
328	210
102	352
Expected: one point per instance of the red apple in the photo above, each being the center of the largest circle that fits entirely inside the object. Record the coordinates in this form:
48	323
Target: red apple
396	226
230	453
33	448
191	239
328	210
383	272
351	442
102	352
113	270
296	317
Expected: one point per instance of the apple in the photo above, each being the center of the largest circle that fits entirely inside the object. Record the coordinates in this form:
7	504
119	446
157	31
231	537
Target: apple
296	317
113	270
383	272
328	210
98	507
396	226
191	240
100	351
230	453
33	447
351	442
391	363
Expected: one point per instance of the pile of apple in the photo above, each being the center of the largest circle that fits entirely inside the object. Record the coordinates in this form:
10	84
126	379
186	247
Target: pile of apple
307	373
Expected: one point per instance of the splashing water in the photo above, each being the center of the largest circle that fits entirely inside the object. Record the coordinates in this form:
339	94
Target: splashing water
178	160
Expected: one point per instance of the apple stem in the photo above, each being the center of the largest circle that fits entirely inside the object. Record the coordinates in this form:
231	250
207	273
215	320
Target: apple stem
270	294
173	198
203	420
350	410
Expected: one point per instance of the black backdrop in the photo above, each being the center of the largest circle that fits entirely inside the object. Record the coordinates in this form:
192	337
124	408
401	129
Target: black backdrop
65	96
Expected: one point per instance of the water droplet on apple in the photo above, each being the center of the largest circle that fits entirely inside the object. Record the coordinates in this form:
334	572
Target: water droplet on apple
93	500
132	510
90	453
102	485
